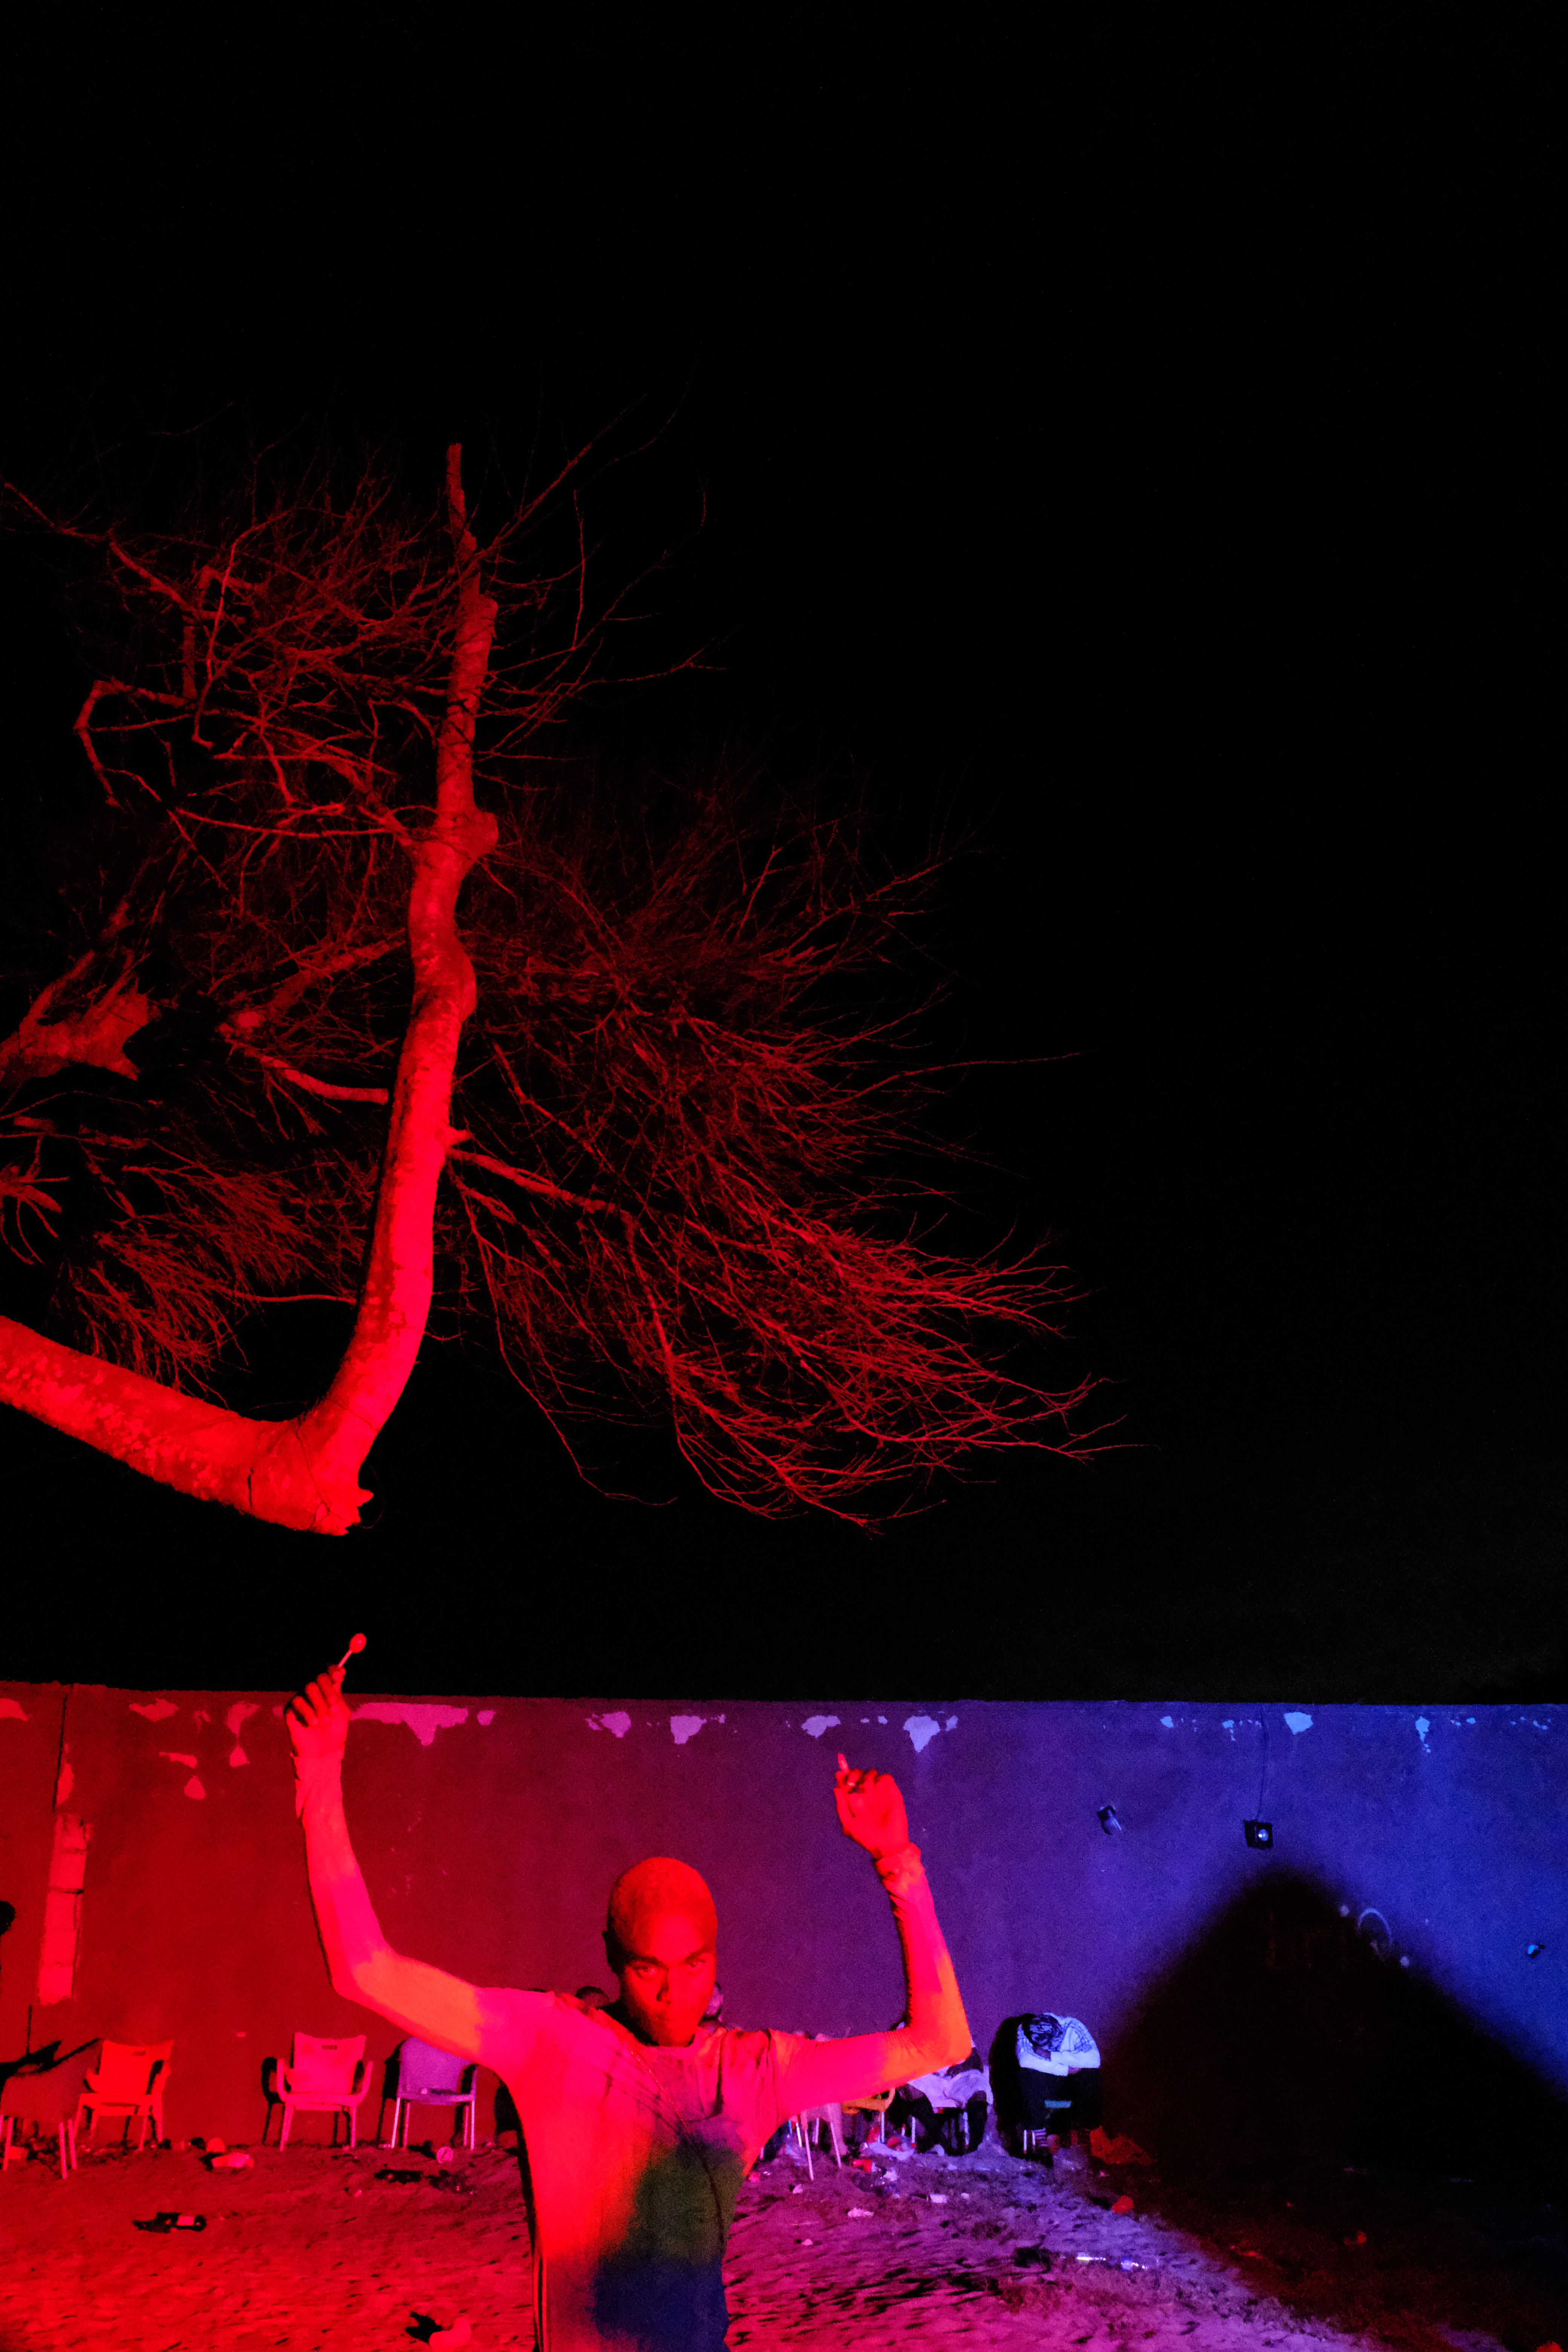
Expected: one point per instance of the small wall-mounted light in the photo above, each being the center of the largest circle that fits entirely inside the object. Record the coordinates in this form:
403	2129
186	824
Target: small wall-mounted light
1534	1951
1106	1817
1258	1832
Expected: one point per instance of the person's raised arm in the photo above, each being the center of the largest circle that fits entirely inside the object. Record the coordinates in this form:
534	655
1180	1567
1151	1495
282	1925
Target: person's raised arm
936	2031
424	2001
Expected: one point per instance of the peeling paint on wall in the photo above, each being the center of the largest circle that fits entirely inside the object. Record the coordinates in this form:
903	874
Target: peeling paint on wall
423	1721
923	1729
618	1723
9	1707
193	1786
62	1910
65	1783
236	1720
1423	1726
486	1715
1298	1722
156	1710
683	1728
816	1725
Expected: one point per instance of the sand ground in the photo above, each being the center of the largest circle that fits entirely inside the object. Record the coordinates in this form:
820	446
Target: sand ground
309	2251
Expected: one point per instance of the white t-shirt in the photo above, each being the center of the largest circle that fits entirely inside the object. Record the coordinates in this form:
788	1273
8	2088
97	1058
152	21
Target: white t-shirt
634	2157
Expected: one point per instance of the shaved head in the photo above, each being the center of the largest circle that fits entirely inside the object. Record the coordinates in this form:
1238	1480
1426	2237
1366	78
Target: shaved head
659	1888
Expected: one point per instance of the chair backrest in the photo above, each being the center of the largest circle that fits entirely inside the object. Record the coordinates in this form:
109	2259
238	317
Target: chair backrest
422	2068
126	2069
326	2065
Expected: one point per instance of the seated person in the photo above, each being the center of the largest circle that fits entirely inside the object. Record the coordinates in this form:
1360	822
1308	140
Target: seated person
638	2128
1045	2079
946	2109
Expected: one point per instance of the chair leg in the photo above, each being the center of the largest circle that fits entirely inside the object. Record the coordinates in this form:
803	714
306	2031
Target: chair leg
287	2118
803	2130
353	2127
63	2174
6	2124
70	2126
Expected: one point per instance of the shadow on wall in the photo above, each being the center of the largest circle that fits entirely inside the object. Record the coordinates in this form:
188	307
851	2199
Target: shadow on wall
1288	2031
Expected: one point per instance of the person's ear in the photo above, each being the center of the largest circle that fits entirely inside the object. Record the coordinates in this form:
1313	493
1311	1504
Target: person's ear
613	1953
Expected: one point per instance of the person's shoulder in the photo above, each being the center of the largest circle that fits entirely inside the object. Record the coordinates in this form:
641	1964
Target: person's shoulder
759	2045
743	2040
518	2011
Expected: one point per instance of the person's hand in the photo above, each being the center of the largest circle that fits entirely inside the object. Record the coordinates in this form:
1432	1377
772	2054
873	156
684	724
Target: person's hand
870	1810
318	1720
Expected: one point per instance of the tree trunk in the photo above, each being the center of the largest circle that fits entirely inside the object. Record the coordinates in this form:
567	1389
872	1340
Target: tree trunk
305	1473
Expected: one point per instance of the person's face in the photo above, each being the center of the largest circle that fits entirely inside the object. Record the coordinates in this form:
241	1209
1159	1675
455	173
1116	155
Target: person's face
667	1980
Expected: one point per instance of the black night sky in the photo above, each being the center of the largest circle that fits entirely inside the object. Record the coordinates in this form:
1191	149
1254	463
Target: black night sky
1130	460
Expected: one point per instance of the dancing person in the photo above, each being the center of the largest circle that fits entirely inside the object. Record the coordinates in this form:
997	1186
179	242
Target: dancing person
638	2124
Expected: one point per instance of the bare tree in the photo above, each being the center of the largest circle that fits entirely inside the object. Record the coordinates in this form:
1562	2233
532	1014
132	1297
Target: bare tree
632	1105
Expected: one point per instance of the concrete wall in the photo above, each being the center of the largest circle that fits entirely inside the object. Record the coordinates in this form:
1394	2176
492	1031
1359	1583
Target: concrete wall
1240	1997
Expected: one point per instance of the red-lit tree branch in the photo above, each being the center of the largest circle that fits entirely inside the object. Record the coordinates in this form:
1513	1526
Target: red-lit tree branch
277	689
711	1108
634	1102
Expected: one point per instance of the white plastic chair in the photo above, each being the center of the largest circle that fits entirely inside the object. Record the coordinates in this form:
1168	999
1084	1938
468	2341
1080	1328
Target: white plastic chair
428	2077
47	2097
326	2077
808	2119
129	2080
